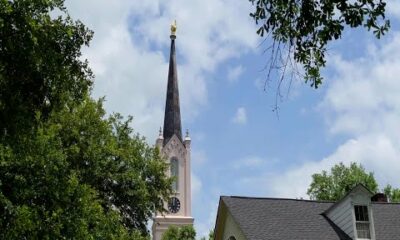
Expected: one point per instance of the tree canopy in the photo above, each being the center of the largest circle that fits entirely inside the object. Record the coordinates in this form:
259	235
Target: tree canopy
40	66
179	233
392	193
341	179
210	235
66	169
301	30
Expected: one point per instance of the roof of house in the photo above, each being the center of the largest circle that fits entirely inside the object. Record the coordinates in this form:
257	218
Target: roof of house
386	220
277	218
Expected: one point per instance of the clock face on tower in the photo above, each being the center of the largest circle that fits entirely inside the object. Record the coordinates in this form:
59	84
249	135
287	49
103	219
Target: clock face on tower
174	205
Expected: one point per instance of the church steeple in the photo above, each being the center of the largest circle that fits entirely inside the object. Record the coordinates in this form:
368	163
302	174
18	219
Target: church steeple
176	152
172	117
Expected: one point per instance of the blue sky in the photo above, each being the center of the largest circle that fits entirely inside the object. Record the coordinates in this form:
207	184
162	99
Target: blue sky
240	146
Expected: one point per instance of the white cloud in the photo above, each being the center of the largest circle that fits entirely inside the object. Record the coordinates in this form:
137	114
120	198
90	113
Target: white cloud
129	56
240	116
362	103
128	52
364	95
378	155
234	73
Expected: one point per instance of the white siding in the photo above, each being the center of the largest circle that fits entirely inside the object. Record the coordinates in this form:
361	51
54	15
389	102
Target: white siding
342	213
342	216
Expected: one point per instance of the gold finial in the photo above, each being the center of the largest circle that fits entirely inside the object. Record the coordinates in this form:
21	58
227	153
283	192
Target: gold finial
173	28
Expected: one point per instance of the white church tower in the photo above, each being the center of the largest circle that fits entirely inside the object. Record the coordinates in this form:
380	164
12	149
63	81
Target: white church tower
176	151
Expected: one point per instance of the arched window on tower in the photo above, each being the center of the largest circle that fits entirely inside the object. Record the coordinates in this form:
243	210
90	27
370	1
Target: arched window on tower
231	238
175	173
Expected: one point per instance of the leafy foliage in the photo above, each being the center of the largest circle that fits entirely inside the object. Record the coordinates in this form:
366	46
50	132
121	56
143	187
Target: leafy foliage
172	233
80	176
210	235
341	179
66	170
125	171
392	193
302	29
40	67
181	233
42	197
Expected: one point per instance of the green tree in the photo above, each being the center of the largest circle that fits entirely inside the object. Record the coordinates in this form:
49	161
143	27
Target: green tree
341	179
80	176
125	171
42	197
187	233
172	233
66	170
40	66
392	193
301	30
179	233
210	235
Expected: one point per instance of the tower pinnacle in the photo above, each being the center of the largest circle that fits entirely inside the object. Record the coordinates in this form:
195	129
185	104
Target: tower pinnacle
172	117
173	29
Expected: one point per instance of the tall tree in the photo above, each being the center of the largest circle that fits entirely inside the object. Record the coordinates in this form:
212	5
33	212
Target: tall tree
302	29
80	175
66	170
127	174
341	179
42	194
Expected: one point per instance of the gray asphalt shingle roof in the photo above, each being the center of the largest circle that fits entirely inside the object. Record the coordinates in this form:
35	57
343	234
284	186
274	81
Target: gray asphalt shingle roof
276	219
386	221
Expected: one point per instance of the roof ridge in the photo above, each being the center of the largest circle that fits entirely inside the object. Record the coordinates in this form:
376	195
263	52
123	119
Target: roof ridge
278	198
386	203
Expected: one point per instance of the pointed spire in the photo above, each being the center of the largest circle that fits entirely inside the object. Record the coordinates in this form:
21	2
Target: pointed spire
172	117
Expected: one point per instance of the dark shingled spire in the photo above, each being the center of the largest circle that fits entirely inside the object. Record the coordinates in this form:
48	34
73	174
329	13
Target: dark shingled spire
172	117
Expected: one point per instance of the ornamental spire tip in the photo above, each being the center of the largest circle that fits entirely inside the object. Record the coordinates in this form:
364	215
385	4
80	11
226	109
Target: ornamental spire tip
173	28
